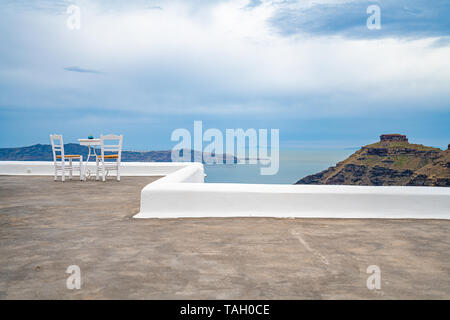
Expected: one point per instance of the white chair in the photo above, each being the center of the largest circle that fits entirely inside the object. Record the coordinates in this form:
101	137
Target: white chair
62	165
114	153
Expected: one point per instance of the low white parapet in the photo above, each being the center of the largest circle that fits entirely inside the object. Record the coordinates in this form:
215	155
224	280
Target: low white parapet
183	195
44	168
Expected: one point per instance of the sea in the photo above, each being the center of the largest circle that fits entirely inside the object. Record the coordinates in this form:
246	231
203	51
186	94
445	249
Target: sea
294	164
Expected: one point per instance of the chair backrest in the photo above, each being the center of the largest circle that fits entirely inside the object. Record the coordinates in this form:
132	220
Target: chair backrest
105	142
57	146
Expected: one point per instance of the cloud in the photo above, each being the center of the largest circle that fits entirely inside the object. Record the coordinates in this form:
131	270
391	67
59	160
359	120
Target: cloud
254	3
81	70
311	69
441	42
217	59
410	19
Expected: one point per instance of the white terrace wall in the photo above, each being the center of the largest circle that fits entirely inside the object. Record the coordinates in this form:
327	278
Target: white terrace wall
44	168
181	193
183	200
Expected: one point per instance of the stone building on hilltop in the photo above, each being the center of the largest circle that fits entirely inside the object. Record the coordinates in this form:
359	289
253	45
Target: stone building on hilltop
395	137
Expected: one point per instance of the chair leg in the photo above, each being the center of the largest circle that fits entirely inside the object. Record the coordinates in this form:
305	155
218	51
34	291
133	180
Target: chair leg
56	174
70	169
96	169
63	172
81	169
118	172
103	173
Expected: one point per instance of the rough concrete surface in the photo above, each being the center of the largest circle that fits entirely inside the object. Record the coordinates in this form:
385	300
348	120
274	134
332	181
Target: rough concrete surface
46	226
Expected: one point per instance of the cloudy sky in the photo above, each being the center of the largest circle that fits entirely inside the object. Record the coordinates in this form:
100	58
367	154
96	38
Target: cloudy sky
310	68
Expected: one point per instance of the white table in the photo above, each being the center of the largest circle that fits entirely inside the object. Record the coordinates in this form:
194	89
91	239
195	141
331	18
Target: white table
90	143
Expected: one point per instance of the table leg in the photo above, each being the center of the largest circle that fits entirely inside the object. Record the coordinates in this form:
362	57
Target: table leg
96	163
87	171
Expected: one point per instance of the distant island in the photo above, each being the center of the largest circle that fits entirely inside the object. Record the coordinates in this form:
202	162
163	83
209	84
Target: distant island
392	161
43	152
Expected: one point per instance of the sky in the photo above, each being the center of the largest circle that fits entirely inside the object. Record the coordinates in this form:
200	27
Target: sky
310	68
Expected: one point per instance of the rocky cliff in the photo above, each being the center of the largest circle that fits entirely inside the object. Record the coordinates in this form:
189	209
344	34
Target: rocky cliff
391	162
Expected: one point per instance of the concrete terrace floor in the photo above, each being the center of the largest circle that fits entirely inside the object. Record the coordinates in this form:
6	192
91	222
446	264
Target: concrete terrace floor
46	226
